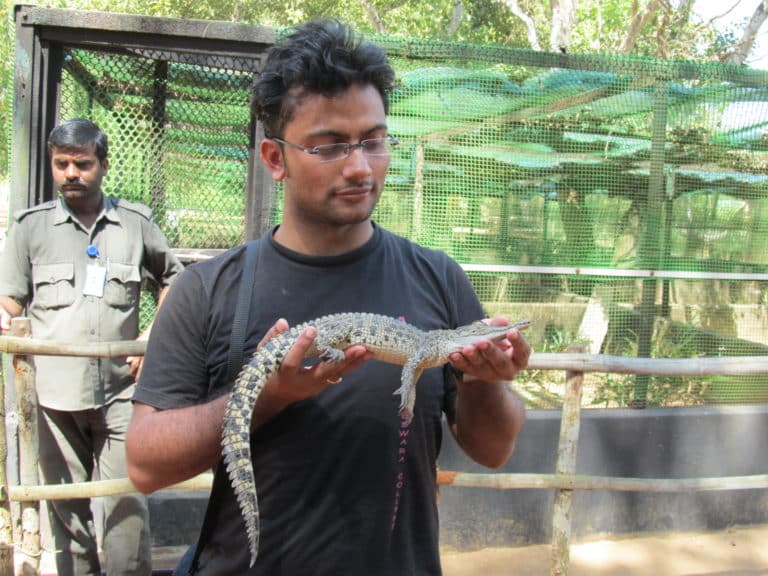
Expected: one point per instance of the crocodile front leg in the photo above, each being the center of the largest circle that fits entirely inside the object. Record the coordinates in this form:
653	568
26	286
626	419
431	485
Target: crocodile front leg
411	373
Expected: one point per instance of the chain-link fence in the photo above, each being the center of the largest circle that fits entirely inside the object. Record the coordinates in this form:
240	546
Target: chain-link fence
178	136
618	202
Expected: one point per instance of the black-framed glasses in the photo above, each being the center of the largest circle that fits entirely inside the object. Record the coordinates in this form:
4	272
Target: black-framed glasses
371	147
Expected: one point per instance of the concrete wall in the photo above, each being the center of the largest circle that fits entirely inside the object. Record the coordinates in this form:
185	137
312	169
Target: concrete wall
653	443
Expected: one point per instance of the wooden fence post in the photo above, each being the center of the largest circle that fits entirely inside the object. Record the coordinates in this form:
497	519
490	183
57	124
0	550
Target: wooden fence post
26	398
566	464
6	518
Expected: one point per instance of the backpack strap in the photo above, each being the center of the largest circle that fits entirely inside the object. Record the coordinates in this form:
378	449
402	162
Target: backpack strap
242	311
188	565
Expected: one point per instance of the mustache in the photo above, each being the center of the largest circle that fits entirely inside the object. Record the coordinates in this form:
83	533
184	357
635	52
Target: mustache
354	186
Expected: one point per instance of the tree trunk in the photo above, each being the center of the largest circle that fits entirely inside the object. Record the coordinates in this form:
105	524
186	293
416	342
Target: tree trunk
456	16
744	46
563	18
663	31
639	18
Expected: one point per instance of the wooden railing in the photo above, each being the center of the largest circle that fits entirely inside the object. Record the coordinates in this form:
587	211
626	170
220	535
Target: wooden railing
564	480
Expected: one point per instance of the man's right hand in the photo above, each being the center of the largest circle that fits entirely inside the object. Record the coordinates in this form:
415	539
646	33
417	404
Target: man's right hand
9	309
304	382
5	320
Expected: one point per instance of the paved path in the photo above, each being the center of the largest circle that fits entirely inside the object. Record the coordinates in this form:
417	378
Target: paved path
734	552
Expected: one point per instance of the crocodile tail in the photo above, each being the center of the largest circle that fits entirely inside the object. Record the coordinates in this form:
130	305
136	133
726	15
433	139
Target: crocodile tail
236	431
236	449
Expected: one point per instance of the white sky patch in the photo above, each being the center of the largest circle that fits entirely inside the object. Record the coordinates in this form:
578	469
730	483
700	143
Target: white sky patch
735	14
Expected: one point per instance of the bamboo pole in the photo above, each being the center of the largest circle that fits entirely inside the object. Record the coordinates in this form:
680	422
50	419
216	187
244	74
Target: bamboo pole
570	420
97	488
6	518
650	250
515	481
26	398
37	347
728	366
498	481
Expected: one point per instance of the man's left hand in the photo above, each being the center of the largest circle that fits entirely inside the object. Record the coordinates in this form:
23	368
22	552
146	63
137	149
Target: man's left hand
134	366
494	361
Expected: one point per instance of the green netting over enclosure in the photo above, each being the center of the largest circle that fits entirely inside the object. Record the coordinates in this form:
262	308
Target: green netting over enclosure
618	202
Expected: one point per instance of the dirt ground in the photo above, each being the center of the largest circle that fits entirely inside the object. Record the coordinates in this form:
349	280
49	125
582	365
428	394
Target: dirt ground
735	552
738	551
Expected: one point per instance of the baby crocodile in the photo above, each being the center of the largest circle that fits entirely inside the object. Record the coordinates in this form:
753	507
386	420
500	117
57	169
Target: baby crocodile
388	339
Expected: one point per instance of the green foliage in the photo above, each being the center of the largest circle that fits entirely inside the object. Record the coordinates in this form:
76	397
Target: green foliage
683	342
6	85
722	42
600	27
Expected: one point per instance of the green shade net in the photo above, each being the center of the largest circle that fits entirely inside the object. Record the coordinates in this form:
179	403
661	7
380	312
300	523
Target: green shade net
618	202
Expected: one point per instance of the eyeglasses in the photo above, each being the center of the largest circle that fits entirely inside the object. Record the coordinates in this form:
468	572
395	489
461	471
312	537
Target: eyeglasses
372	147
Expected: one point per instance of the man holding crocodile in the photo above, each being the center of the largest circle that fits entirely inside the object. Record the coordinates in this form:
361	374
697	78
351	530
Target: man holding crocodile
345	485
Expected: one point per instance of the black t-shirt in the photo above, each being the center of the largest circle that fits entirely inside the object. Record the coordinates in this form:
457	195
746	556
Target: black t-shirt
344	486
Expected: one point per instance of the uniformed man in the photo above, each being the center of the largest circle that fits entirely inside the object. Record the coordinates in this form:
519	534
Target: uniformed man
76	264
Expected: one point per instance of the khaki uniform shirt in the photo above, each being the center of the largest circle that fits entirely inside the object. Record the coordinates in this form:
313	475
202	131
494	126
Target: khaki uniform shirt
45	266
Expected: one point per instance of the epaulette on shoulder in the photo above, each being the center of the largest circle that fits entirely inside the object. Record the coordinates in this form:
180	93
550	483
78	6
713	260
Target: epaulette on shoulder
141	209
19	215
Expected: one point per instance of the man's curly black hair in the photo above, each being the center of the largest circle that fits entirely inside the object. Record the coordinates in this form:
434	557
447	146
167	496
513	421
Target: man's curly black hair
324	57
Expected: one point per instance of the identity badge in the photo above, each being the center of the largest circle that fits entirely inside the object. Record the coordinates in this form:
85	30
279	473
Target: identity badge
95	278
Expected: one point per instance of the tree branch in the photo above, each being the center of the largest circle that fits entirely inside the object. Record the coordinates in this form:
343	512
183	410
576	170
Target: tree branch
530	28
374	17
744	46
639	19
663	30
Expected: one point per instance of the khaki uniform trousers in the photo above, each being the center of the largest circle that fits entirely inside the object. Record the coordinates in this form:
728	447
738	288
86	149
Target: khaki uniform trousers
90	445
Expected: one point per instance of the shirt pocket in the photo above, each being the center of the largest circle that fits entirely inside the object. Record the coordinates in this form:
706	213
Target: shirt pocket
54	285
122	287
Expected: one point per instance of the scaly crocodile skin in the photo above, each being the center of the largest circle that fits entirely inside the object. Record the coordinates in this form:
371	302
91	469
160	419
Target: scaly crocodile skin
390	340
